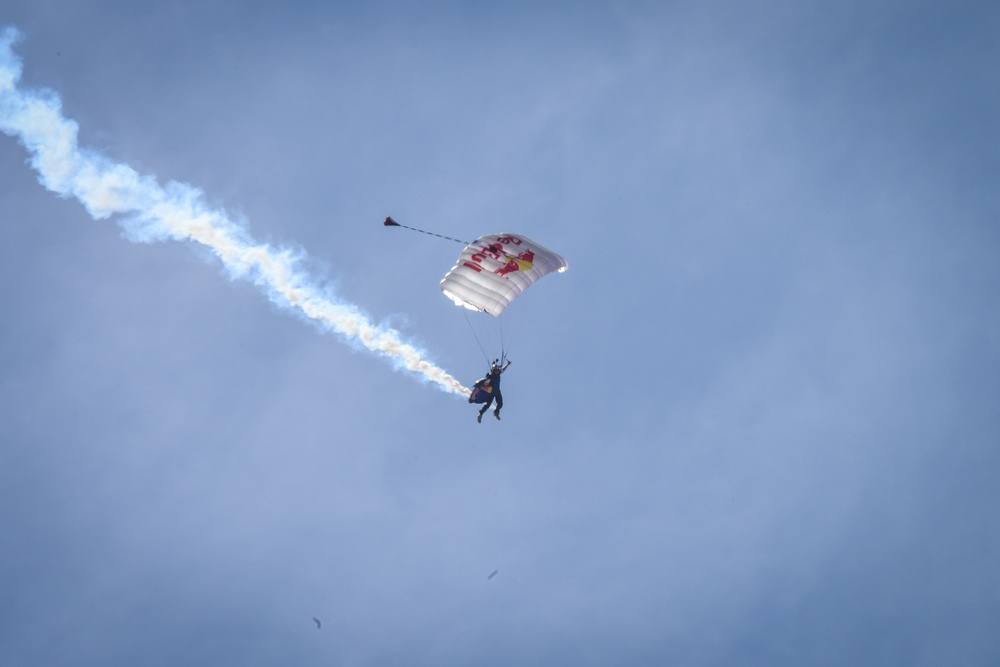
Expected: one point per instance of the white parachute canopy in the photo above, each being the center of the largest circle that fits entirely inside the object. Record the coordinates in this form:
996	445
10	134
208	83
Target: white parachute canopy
493	270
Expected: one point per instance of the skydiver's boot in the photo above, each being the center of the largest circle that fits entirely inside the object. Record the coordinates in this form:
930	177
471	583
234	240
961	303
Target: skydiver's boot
496	413
479	418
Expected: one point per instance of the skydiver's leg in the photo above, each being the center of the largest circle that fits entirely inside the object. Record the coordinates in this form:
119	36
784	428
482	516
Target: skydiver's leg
486	406
499	397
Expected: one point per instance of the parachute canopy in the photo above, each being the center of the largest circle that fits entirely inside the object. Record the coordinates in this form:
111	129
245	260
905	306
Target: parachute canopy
493	270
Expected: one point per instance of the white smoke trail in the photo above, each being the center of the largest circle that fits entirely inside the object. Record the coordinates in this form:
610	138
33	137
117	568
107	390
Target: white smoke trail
178	211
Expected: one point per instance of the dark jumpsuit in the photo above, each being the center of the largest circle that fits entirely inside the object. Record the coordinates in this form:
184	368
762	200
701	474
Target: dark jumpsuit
495	394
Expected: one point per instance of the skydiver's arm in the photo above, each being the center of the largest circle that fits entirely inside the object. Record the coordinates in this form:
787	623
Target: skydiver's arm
505	366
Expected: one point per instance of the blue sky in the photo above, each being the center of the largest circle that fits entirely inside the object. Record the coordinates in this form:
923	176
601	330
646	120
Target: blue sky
755	423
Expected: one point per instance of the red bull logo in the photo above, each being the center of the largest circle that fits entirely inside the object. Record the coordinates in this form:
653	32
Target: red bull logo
522	261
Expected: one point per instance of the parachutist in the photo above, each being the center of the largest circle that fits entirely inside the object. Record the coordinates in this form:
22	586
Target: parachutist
490	273
488	389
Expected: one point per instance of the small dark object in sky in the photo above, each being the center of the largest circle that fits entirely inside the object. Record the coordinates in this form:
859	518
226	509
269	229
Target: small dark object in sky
318	624
493	574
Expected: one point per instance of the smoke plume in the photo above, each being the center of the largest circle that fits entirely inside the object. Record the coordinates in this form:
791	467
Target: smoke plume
151	212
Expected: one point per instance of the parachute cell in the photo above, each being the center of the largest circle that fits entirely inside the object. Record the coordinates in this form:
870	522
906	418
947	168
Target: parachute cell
493	270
